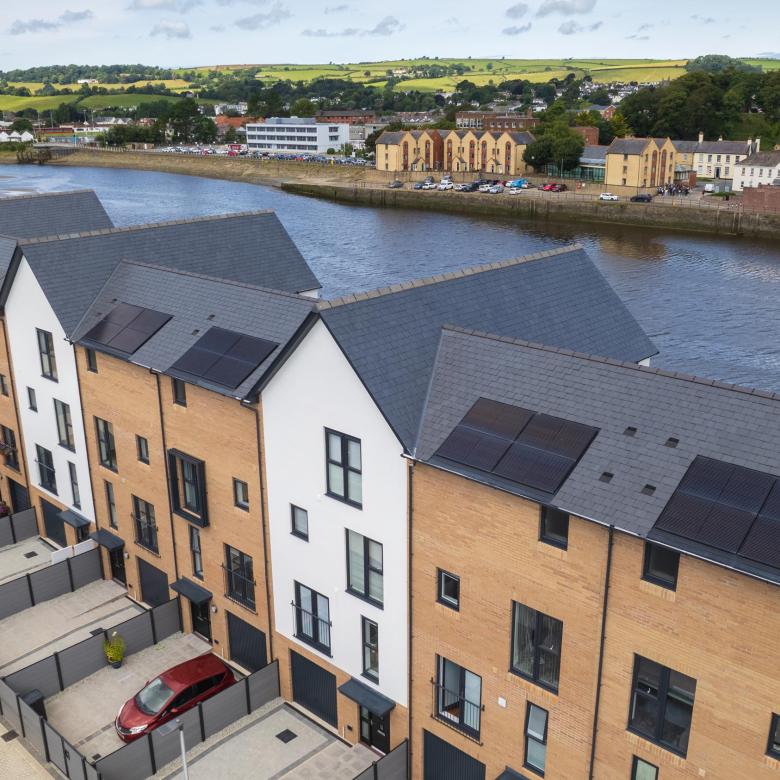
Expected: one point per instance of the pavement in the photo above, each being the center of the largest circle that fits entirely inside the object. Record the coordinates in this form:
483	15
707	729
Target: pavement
23	558
16	762
37	632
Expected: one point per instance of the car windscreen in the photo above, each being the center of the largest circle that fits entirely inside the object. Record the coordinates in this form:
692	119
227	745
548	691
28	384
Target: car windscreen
153	697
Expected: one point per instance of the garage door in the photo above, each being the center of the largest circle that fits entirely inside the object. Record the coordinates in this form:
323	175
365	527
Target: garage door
314	688
442	761
154	584
247	644
53	524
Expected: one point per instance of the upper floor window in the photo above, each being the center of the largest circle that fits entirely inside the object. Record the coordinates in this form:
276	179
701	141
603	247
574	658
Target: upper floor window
364	568
145	525
239	577
662	705
448	592
370	631
774	737
458	696
179	392
106	444
74	485
110	503
197	555
46	475
142	448
64	425
344	468
643	770
3	385
188	487
91	357
10	453
554	527
299	519
46	351
536	738
312	617
661	565
536	645
240	494
32	400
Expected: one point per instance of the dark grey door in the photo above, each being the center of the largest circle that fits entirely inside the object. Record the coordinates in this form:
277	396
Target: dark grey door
247	644
53	524
375	730
117	559
20	496
201	619
314	688
442	761
154	584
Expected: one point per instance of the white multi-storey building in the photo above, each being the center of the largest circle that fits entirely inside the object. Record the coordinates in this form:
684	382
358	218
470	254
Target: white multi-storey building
759	168
296	135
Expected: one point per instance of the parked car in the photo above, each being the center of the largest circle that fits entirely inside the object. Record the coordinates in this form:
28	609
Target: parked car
608	196
496	189
471	186
429	185
485	187
417	185
517	184
168	695
428	180
395	185
642	197
558	188
446	185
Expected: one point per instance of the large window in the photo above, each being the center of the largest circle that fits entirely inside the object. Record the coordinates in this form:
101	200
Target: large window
643	770
106	445
661	565
312	618
535	738
773	749
344	468
364	568
64	425
239	577
197	555
10	453
110	503
46	351
145	526
188	487
554	527
662	705
458	696
536	646
370	632
74	485
46	475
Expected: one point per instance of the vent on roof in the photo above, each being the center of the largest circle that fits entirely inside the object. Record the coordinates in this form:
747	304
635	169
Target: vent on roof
648	490
127	328
630	431
210	317
671	442
606	477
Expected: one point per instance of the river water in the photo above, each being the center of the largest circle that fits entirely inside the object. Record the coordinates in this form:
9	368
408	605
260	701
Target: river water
711	304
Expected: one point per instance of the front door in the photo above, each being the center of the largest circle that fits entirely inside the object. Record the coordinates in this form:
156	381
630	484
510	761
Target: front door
201	619
375	731
53	524
116	558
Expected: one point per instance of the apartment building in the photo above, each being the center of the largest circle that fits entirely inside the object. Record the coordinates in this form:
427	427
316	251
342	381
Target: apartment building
639	163
757	169
345	116
296	135
495	121
718	159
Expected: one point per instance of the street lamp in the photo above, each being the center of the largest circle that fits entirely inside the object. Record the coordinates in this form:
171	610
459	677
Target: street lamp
169	728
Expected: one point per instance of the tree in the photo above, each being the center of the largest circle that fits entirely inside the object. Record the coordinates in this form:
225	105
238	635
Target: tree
231	136
303	107
618	126
715	63
182	119
204	131
567	150
539	153
20	125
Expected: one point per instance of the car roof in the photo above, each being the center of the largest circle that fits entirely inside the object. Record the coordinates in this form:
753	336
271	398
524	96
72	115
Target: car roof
185	674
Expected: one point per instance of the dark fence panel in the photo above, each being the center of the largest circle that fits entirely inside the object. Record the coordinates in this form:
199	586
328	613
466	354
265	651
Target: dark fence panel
131	762
137	632
168	748
366	774
85	568
6	532
92	773
25	525
224	708
41	675
14	597
263	686
167	619
33	728
81	660
9	707
56	748
393	766
75	762
50	582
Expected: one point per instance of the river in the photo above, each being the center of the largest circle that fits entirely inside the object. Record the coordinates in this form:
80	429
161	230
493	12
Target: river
711	304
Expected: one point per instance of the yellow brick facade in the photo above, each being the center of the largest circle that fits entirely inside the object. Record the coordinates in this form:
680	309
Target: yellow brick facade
651	167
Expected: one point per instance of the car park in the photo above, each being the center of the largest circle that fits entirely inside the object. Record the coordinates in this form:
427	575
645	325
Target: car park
608	196
642	197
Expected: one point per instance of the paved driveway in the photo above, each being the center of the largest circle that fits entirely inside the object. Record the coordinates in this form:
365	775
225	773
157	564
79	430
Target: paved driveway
23	557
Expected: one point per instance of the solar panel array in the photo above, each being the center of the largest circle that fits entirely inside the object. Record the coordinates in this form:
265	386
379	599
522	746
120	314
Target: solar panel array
127	328
224	357
520	445
731	508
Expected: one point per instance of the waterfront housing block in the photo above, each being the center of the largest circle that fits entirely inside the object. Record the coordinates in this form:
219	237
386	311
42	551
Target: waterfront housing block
296	135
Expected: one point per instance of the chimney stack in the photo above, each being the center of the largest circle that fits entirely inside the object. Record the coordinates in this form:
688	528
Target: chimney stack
701	136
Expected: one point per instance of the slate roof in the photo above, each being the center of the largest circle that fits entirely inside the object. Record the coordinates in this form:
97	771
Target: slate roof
252	247
686	147
594	153
196	303
762	159
628	146
717	420
522	137
722	147
558	296
390	137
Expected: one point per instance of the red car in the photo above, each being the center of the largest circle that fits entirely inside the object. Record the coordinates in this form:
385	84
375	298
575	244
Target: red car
547	187
172	693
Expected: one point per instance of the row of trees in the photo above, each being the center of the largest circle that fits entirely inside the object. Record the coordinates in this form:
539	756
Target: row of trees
107	74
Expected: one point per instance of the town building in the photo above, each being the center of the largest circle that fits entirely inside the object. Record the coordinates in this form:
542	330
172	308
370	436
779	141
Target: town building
589	134
639	163
718	159
240	108
757	169
495	121
345	116
606	112
295	135
592	165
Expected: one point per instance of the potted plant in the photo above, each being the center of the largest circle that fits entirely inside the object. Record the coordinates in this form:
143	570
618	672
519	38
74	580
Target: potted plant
114	648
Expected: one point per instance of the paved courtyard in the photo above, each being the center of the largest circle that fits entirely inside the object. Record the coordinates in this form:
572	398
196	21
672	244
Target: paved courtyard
16	762
23	557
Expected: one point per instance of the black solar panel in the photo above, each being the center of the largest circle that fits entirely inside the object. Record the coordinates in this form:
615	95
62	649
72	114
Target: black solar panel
534	467
474	448
762	543
684	515
747	489
726	527
771	508
126	328
706	477
497	418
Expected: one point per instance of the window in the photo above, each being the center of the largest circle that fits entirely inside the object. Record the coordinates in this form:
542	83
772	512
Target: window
312	618
32	401
46	476
91	360
448	589
110	504
106	445
773	749
145	526
197	556
536	646
344	461
364	568
642	770
554	527
300	522
64	425
3	384
458	696
188	487
239	577
240	494
46	351
179	392
142	448
10	453
661	565
370	649
535	738
74	485
662	705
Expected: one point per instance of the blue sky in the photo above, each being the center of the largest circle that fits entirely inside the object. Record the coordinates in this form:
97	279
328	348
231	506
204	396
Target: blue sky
203	32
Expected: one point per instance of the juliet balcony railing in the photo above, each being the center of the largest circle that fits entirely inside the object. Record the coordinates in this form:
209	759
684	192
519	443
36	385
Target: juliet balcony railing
311	629
456	711
239	588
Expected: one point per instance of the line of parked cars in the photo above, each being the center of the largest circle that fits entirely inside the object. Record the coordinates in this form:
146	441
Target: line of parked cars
490	186
642	197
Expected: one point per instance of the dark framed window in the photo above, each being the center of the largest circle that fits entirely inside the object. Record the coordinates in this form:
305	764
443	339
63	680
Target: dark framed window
10	452
197	555
179	391
239	577
240	494
145	525
3	385
365	568
661	705
344	468
535	738
643	770
554	527
110	503
46	351
448	589
458	696
64	425
299	522
142	448
188	487
536	646
46	476
106	444
91	357
370	632
312	618
773	748
32	400
74	485
661	565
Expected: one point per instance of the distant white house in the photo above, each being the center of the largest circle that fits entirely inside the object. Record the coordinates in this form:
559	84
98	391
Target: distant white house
296	135
87	81
758	168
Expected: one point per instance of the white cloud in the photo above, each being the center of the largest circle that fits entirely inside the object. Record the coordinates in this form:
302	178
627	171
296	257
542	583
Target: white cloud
387	26
573	28
171	30
566	7
517	30
177	6
263	21
337	9
517	11
21	27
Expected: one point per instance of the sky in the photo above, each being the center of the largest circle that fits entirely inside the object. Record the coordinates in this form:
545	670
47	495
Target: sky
186	33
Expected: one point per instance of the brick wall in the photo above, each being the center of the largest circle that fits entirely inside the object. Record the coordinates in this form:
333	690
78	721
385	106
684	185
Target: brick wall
764	199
